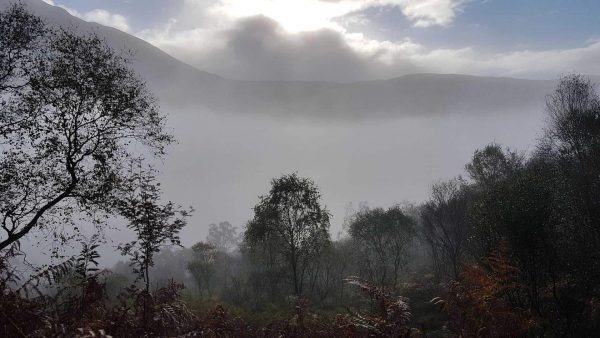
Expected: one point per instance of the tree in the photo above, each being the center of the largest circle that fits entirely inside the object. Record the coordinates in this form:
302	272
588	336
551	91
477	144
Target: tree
202	265
223	237
491	169
491	164
155	224
20	34
69	125
445	225
573	139
382	238
291	216
571	147
518	211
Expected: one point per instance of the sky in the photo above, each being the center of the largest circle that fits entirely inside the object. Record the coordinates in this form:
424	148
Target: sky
356	40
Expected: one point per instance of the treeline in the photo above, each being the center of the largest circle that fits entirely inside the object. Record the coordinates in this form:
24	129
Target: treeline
510	250
538	214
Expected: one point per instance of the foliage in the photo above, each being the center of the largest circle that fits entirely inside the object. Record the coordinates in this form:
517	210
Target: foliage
291	215
20	35
382	238
446	228
390	318
223	237
491	164
155	225
480	301
72	110
167	313
202	265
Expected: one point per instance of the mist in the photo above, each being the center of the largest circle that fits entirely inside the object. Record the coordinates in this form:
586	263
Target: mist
223	162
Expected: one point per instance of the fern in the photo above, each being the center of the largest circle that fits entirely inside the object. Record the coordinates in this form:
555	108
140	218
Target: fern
390	320
82	333
51	274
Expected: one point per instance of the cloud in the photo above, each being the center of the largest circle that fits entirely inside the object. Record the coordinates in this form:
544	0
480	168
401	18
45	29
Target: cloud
258	48
106	18
540	64
425	13
100	16
227	38
296	16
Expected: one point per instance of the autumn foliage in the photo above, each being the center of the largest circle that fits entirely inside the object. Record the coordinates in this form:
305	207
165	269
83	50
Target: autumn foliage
484	301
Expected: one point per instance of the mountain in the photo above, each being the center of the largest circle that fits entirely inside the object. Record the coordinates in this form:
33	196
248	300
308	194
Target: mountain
178	84
410	95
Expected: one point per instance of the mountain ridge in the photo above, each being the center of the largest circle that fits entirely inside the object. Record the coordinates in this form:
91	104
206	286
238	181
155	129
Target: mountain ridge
178	84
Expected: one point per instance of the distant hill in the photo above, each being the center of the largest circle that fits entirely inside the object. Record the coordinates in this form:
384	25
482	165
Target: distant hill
182	85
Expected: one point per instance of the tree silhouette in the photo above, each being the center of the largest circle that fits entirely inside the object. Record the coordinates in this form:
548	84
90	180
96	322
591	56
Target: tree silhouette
72	114
291	215
382	238
155	224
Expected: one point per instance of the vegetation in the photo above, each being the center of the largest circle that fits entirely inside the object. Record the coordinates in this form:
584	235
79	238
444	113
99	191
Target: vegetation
289	229
381	239
70	115
512	250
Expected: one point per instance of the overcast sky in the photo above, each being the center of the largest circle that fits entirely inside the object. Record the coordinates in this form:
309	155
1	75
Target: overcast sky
352	40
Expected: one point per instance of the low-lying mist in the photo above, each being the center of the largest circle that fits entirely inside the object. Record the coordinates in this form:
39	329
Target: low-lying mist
223	162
